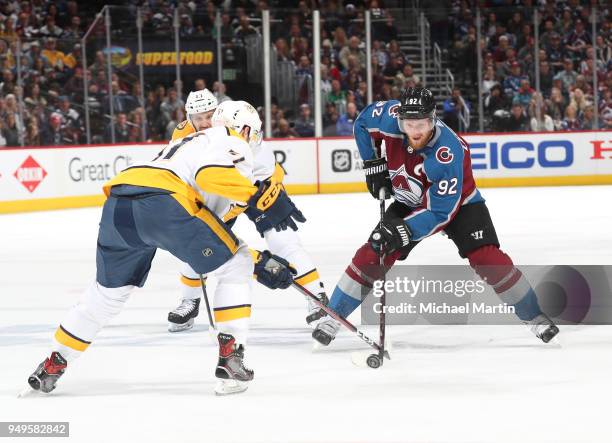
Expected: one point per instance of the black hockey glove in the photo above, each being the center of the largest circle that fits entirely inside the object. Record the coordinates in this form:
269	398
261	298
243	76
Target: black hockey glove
279	213
273	271
392	235
377	177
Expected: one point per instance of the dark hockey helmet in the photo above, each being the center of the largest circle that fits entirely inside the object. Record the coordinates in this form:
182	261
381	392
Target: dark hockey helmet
416	103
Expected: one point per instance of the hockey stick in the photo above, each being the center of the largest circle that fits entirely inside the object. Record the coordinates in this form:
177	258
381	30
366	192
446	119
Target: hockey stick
382	322
333	314
212	329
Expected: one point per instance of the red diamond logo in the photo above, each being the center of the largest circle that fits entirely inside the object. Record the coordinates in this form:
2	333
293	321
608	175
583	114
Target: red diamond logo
30	174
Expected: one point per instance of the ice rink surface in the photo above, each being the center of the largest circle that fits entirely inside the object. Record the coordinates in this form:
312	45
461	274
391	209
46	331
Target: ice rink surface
139	383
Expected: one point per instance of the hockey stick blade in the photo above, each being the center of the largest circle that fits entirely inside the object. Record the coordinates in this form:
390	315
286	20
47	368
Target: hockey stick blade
333	314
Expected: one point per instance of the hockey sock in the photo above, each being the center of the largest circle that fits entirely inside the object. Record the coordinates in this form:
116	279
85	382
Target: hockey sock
509	283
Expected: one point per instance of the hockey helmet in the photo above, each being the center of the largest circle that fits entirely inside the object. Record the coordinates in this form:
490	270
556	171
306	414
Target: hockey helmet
236	115
416	103
200	101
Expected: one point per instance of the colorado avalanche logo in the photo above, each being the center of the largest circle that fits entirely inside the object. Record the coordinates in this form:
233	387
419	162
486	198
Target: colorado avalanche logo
444	155
407	189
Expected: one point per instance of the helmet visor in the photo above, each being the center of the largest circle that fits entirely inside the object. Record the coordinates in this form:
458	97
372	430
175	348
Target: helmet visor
411	126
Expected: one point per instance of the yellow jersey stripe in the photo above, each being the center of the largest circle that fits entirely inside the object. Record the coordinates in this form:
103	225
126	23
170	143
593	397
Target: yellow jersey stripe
153	177
191	282
234	212
218	227
225	181
232	313
67	339
309	277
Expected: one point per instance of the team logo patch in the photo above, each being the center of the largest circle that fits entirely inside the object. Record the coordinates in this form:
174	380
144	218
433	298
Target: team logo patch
182	124
444	155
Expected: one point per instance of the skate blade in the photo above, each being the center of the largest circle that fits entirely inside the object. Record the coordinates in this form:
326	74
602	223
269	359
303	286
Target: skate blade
229	387
176	327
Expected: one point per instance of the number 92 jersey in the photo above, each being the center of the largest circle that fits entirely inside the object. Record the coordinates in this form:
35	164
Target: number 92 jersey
435	181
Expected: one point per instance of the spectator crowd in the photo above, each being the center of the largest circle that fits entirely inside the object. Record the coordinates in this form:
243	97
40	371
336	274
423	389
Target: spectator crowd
49	32
569	56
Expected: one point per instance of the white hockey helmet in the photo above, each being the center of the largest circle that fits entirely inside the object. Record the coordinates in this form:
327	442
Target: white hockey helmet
200	101
236	115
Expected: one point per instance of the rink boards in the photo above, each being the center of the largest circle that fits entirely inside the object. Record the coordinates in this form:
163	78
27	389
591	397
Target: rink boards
42	178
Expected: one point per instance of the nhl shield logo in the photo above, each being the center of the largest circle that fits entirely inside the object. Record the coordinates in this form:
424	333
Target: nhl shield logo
207	252
341	160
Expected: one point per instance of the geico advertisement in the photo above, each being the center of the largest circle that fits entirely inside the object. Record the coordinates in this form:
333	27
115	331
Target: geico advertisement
298	158
541	155
495	156
46	173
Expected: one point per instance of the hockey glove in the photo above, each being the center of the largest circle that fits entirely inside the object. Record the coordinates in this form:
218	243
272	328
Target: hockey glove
377	177
391	235
280	214
273	271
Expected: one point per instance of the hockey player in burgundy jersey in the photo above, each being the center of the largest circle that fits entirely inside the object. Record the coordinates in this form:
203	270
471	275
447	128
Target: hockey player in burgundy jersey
428	171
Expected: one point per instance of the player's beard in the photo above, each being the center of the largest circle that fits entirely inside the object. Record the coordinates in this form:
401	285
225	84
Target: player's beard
416	145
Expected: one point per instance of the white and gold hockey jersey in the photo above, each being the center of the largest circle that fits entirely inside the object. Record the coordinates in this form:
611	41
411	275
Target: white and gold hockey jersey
213	167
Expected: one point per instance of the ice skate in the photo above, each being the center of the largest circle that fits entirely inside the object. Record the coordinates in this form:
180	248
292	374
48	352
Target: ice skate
543	328
326	331
182	317
48	373
233	375
314	311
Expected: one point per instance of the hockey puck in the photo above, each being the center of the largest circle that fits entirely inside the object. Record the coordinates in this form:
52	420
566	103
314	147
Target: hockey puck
373	361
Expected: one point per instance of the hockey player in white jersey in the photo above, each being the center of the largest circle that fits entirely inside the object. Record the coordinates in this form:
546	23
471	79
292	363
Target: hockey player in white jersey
176	202
280	240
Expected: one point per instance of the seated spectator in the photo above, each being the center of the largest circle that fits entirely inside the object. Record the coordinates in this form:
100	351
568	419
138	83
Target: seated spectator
54	134
495	100
578	100
10	131
555	52
32	135
330	118
353	48
337	96
50	29
453	107
244	29
518	119
303	68
122	130
489	80
170	104
344	125
524	94
571	121
587	118
53	56
70	117
540	120
557	106
546	78
361	95
567	75
577	40
304	124
284	130
406	74
607	121
219	90
512	83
